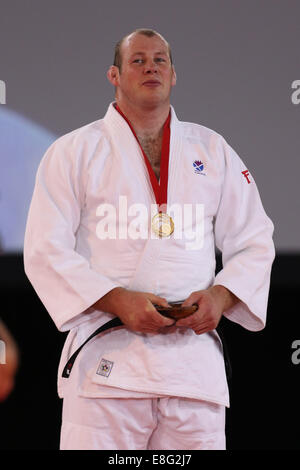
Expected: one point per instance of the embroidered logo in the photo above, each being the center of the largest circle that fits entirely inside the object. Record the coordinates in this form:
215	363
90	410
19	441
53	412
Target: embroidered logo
246	174
198	167
105	367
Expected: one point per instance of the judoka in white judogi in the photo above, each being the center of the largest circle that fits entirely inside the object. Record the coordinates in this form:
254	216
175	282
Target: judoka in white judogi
89	231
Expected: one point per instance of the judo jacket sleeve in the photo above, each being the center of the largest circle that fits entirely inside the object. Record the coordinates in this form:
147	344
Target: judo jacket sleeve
243	233
62	277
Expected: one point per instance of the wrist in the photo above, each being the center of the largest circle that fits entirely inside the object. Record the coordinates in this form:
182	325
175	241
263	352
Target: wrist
109	303
225	298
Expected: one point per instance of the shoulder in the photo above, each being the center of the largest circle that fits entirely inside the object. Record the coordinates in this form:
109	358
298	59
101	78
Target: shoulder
198	134
198	131
77	146
215	146
88	133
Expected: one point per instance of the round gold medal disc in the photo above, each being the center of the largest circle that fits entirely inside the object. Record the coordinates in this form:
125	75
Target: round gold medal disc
162	224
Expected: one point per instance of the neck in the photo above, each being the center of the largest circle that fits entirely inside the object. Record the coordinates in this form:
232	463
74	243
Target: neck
147	122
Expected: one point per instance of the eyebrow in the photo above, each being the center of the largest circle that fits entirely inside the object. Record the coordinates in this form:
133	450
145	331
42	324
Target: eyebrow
156	53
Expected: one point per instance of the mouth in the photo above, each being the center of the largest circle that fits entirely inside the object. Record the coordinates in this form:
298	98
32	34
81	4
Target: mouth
151	83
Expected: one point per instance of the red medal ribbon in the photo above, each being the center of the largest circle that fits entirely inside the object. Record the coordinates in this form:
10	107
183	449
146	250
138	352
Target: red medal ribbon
160	189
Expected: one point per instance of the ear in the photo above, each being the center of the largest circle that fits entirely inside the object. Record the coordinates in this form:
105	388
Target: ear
113	74
174	77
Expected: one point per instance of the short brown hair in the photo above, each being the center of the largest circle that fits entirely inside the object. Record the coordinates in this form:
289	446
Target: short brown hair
146	32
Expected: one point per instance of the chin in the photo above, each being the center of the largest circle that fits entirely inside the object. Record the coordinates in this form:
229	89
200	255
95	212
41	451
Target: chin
154	101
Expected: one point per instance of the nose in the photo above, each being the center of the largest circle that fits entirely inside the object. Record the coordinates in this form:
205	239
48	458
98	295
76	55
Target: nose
150	67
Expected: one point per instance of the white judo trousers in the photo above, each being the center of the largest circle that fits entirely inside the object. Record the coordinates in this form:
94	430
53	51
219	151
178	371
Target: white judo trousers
85	235
171	423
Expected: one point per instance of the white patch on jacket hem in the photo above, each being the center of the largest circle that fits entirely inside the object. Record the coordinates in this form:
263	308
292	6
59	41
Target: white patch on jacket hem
105	367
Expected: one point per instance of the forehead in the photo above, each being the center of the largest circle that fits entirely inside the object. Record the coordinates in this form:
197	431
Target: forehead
140	43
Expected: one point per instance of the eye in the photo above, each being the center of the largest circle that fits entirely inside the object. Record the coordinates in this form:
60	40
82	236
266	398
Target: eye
160	59
138	61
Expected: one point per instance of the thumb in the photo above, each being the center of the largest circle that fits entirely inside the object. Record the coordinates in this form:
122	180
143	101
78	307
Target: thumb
193	298
155	299
162	302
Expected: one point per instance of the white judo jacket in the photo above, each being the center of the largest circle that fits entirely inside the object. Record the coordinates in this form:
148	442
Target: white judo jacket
89	231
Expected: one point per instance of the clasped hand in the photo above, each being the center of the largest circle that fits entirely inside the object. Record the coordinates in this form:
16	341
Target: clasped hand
137	312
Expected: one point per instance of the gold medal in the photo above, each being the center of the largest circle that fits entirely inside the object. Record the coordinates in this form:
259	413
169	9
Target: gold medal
162	224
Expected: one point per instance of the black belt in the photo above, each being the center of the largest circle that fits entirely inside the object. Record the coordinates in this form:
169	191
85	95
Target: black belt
107	326
117	322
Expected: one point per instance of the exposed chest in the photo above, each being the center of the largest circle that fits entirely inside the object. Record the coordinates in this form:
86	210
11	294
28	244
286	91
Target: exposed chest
152	148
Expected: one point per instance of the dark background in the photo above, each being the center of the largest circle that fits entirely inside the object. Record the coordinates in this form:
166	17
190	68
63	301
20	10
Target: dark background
265	408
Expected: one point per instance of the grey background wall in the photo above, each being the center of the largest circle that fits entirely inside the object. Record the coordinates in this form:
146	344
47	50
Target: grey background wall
236	61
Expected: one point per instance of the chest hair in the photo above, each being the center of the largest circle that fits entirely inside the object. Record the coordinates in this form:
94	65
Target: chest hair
152	148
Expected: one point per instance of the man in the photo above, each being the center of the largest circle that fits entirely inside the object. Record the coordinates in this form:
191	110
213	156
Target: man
124	219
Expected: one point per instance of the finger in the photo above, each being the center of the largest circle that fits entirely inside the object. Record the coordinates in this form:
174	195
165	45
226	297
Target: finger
154	329
155	299
204	328
188	302
193	298
190	321
154	320
167	329
162	321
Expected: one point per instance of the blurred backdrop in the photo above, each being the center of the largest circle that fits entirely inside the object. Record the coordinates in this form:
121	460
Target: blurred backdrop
237	65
